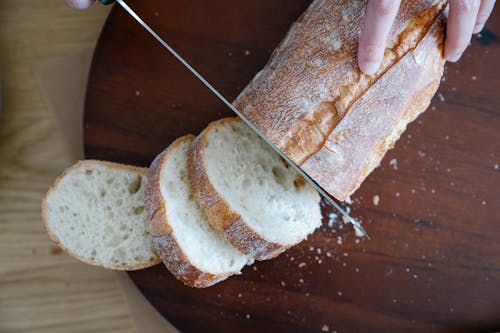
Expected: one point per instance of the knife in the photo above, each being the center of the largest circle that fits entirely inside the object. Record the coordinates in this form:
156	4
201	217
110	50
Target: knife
357	226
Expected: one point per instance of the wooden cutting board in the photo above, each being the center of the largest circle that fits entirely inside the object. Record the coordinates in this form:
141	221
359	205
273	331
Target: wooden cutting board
433	264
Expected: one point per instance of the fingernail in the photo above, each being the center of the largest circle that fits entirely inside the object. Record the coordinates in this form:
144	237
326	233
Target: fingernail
478	28
454	58
369	67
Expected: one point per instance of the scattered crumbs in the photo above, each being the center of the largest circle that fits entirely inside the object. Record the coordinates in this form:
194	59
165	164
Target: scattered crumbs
433	191
254	268
325	328
356	270
247	52
412	190
332	217
407	269
339	293
441	97
320	261
449	169
301	280
394	163
421	153
447	137
345	219
473	78
452	310
328	254
307	294
248	316
137	93
495	167
397	194
268	299
329	271
156	14
283	283
433	107
292	258
345	254
302	264
311	248
415	276
344	264
483	203
423	257
348	201
318	250
358	233
339	240
219	295
357	241
376	199
452	184
453	88
230	54
394	300
240	295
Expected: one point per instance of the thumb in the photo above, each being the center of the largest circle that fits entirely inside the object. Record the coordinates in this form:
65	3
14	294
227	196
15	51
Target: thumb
80	4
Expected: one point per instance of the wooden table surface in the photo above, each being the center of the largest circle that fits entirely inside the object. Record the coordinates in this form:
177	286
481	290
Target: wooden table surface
433	264
40	289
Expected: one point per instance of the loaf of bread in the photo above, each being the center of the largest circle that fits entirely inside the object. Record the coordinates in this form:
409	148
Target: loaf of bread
250	195
336	123
190	248
95	212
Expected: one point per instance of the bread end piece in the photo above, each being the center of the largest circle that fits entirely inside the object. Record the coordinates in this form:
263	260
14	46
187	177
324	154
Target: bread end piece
52	234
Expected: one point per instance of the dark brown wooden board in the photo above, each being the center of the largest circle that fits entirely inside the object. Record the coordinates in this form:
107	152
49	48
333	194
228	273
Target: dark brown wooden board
433	264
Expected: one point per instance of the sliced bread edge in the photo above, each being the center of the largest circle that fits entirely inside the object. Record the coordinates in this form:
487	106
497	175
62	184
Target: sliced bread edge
164	239
81	164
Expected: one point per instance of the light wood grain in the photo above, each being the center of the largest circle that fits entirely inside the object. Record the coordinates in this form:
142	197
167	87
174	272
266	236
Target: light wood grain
40	289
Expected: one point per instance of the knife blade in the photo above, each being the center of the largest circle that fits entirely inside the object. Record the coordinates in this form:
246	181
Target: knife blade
318	188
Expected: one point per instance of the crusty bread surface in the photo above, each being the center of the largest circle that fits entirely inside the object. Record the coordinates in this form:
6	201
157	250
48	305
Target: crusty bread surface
312	101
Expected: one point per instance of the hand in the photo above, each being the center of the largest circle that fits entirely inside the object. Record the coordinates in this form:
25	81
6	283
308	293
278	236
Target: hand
80	4
465	17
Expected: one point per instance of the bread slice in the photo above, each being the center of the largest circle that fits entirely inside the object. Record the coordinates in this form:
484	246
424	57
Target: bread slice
248	192
190	248
95	212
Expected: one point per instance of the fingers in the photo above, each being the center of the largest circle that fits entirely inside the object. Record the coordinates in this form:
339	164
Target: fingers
484	13
378	21
461	22
80	4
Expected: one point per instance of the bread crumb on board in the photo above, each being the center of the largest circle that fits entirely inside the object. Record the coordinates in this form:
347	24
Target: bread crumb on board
325	328
376	199
394	163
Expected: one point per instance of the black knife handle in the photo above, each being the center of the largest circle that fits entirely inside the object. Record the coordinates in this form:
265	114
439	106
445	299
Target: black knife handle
106	2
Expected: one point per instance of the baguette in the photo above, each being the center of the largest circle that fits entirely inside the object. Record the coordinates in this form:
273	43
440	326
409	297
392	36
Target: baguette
336	123
191	250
